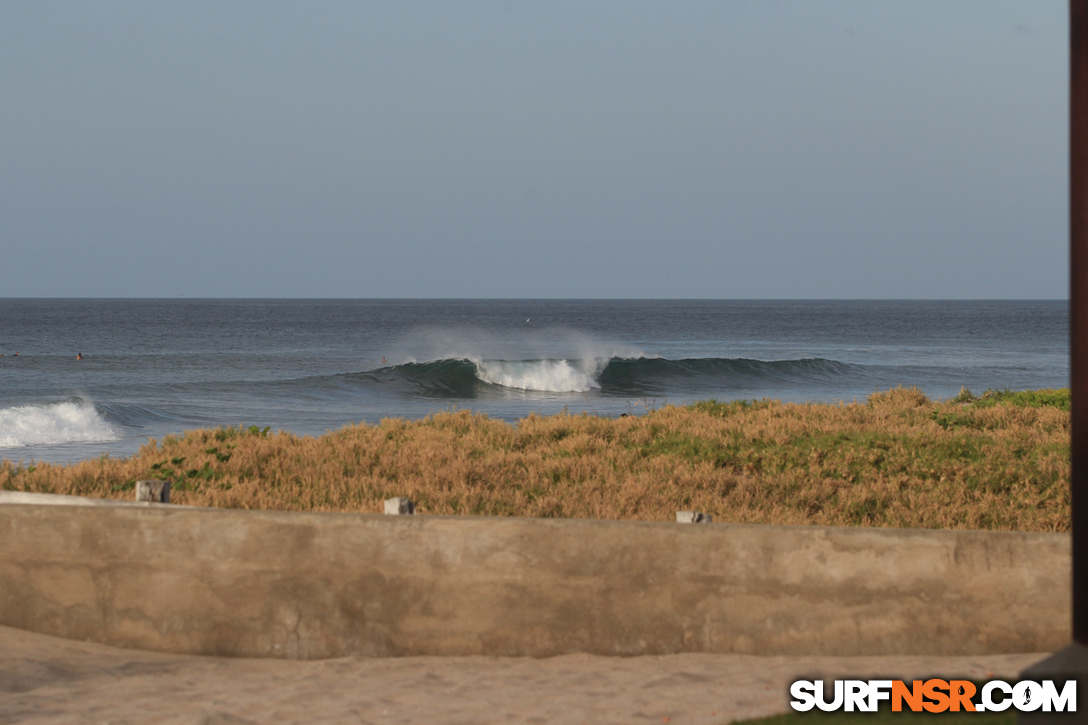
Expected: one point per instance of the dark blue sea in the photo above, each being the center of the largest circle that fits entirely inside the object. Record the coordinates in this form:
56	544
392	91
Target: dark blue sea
156	367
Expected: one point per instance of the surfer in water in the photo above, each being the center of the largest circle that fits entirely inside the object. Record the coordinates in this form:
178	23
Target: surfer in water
79	356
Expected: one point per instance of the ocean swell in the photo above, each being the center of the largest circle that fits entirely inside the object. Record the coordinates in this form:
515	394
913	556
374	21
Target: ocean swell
660	375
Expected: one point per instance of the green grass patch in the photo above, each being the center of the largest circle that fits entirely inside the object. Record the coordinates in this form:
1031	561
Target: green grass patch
1046	398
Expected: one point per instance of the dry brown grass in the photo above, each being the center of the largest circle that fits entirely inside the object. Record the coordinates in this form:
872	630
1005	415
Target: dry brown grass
897	460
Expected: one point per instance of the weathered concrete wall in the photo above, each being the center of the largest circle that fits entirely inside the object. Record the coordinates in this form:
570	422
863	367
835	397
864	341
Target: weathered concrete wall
53	499
319	585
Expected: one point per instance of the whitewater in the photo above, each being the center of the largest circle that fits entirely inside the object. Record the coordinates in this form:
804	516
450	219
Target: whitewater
552	376
153	368
53	424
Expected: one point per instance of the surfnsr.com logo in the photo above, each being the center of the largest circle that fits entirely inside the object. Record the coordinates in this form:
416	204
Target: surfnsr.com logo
936	695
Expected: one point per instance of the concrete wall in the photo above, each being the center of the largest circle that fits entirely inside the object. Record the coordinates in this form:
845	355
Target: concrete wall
309	585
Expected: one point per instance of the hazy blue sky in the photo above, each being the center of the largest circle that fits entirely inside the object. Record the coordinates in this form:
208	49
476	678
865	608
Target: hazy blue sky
826	149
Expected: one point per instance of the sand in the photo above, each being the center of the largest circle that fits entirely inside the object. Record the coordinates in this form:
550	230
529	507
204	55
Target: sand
51	680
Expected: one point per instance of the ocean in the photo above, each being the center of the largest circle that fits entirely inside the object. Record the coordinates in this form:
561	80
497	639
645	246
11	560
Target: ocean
157	367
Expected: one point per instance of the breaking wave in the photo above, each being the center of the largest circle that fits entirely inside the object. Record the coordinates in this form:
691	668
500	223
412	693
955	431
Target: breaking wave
612	376
550	376
71	421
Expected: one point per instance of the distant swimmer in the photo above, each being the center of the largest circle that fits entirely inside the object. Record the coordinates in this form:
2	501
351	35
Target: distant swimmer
383	359
15	355
79	356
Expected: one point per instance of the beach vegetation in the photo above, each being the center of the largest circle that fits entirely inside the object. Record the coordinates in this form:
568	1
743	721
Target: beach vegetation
1047	397
997	461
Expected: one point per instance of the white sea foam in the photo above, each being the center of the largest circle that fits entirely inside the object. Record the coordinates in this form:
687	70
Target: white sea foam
67	422
555	376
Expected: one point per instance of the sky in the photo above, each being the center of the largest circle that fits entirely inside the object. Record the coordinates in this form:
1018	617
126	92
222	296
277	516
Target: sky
776	149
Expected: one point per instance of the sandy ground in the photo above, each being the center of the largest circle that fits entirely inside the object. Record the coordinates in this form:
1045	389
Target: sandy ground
51	680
